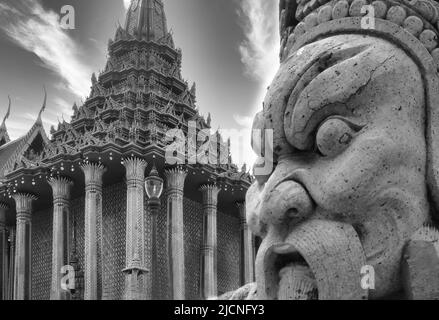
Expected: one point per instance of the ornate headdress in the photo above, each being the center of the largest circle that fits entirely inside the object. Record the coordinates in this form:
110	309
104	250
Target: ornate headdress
412	25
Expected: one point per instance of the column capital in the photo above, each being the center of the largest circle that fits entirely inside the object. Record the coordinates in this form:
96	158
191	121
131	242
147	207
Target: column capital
175	178
135	168
93	172
23	203
210	193
60	187
3	208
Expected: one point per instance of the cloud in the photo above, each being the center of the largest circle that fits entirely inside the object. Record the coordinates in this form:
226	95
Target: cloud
38	31
260	48
127	3
260	56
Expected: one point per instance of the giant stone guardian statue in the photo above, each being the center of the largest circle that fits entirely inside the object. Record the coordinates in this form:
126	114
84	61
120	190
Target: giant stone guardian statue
354	192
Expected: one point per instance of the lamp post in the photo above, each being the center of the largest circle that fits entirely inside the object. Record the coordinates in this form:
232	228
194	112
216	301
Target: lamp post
154	189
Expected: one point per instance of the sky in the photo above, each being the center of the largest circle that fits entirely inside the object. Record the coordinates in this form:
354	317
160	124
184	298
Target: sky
230	50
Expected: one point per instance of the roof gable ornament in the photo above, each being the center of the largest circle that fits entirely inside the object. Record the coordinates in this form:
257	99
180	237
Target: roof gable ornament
43	107
4	137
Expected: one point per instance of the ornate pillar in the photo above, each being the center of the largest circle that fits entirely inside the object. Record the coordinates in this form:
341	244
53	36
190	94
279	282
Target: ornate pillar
175	190
154	209
61	208
3	253
11	274
210	200
136	287
93	230
23	257
247	247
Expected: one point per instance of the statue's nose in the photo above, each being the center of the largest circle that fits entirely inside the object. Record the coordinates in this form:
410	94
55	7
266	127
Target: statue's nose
286	202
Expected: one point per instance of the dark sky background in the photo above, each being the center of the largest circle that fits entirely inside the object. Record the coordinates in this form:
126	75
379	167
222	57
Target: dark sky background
230	50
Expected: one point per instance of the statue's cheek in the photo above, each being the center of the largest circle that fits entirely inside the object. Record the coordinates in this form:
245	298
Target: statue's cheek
352	181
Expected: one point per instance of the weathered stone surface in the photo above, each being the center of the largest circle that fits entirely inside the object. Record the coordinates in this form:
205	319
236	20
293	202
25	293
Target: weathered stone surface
421	270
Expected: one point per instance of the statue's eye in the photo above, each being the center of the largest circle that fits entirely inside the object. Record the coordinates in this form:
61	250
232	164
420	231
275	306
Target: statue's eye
334	136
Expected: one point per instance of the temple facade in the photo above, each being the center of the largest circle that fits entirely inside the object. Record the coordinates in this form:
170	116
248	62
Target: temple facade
75	220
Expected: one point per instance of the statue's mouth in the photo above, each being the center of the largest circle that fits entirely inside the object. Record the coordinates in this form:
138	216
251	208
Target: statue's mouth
319	260
294	277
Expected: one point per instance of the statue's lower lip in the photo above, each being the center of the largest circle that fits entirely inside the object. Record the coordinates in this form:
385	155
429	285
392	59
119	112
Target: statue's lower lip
282	259
325	251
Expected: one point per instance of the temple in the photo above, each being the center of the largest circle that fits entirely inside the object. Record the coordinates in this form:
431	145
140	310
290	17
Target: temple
75	220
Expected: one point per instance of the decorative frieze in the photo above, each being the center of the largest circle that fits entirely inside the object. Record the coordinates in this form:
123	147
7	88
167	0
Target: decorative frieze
175	179
93	173
61	209
210	199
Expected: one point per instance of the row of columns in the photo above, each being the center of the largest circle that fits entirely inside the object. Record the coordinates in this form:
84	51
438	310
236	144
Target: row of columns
136	272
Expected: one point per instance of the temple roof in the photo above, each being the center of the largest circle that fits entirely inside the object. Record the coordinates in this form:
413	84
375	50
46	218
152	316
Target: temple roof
7	151
146	19
14	153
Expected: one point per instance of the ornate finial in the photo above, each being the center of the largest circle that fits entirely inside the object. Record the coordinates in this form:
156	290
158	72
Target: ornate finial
7	112
93	79
154	171
44	105
209	120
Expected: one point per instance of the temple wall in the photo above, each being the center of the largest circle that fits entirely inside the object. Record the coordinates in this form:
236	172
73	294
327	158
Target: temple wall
41	254
114	219
193	239
229	253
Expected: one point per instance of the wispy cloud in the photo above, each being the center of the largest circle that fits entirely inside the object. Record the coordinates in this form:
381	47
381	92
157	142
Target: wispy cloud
260	48
37	30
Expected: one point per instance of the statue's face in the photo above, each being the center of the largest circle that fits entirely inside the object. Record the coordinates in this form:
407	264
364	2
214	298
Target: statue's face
348	186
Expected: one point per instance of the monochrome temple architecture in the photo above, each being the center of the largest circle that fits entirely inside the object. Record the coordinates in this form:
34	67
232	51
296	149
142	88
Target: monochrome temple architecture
74	204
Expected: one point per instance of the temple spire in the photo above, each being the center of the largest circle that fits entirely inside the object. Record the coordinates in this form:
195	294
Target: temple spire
146	20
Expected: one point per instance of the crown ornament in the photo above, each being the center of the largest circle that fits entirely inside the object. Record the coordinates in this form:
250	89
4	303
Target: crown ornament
419	18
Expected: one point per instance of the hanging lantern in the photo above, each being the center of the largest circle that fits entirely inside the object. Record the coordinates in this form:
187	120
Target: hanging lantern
154	184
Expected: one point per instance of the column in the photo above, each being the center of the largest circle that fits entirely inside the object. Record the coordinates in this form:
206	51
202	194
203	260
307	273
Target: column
61	208
3	253
247	247
210	200
175	190
23	258
136	287
93	230
154	209
11	273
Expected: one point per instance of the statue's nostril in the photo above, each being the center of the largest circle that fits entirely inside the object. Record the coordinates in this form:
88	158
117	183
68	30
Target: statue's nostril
288	200
292	213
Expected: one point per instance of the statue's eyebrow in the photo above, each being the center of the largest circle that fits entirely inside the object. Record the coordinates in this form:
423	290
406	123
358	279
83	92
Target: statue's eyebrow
310	120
